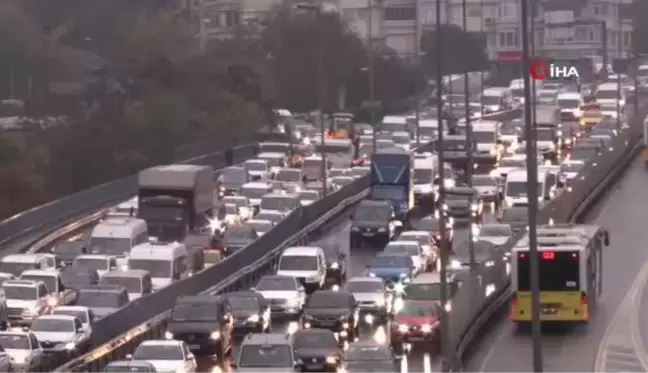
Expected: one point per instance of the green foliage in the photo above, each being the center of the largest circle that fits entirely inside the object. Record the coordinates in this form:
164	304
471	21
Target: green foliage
459	51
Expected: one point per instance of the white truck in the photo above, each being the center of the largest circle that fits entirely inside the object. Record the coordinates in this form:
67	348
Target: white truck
175	199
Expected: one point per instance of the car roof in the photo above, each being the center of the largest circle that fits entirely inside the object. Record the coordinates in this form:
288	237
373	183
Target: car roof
364	279
267	339
161	342
302	251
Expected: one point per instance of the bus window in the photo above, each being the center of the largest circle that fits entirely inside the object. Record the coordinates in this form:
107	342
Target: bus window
558	271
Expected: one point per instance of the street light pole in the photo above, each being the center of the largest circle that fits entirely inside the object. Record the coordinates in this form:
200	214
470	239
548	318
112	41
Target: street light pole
417	61
469	146
443	244
371	72
532	185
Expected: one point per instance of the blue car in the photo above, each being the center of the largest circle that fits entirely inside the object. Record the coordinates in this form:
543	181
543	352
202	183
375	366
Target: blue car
393	268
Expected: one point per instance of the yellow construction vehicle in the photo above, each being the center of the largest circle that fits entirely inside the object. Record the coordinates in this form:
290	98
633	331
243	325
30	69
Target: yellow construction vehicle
342	126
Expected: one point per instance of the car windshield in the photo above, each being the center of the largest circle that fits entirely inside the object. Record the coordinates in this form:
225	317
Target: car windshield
545	135
97	264
520	189
260	226
127	369
81	315
517	92
240	303
273	161
571	167
365	287
606	94
156	268
420	238
236	201
267	356
266	215
50	282
366	353
100	299
429	224
309	339
132	284
423	175
195	312
583	153
423	291
278	203
231	209
491	100
452	196
414	309
568	103
329	300
495	231
386	261
298	263
512	163
276	283
394	247
234	176
308	195
109	246
286	174
52	325
515	214
158	352
483	137
73	277
401	139
333	148
15	268
255	166
373	214
274	148
483	181
72	247
388	192
14	342
20	292
251	192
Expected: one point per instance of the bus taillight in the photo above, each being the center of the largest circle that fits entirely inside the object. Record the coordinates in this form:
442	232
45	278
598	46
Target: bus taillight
514	301
583	300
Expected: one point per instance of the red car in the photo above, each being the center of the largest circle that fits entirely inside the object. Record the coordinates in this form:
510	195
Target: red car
415	322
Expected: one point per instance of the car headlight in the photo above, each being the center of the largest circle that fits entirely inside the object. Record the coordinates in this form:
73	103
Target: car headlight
455	264
70	346
371	274
568	141
493	151
52	302
380	302
168	335
215	335
382	229
426	328
559	133
331	360
293	302
399	288
345	325
335	265
473	208
355	229
403	328
254	318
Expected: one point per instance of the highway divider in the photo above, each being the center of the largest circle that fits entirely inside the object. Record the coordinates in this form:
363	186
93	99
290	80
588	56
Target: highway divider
487	290
242	270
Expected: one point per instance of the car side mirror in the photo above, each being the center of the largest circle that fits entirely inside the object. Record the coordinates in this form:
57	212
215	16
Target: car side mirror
301	289
547	198
191	357
606	239
129	356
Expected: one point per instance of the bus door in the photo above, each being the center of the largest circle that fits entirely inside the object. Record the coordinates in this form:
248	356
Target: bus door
592	291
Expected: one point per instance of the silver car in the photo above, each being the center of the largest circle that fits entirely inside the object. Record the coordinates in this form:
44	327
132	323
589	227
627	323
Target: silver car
61	333
374	300
24	350
285	295
498	234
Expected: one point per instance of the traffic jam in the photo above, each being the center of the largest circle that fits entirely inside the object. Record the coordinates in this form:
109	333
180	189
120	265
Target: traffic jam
179	224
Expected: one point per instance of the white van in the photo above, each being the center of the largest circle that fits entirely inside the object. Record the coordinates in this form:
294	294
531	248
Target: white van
570	105
16	264
496	99
117	236
306	263
485	134
607	95
516	192
428	130
165	262
392	123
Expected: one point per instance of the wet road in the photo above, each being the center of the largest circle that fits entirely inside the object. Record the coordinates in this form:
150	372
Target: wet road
416	360
624	211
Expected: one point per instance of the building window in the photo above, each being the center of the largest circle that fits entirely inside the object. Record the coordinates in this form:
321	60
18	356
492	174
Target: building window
400	14
580	34
474	11
509	39
627	38
506	10
229	18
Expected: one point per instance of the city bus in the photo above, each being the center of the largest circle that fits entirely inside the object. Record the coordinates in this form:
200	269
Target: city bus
570	273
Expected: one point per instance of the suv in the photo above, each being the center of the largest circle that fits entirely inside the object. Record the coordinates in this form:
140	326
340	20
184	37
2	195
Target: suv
333	310
26	300
204	322
59	295
103	300
372	222
268	352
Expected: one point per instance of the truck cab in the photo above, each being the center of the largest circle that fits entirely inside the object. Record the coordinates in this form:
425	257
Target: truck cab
26	300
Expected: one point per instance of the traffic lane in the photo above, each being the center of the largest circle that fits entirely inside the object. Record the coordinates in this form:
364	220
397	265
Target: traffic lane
624	212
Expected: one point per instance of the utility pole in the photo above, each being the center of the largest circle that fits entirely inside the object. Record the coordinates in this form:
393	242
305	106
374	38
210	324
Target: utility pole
469	143
481	73
618	101
371	72
635	57
202	27
317	11
532	186
419	69
444	248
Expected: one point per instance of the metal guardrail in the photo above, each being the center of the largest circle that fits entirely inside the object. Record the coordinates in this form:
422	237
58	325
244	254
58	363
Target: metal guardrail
52	215
242	270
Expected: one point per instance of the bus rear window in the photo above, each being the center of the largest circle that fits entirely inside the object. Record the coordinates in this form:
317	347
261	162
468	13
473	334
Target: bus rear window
558	271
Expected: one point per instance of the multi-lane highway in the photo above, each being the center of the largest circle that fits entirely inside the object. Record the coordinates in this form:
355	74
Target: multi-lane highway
574	349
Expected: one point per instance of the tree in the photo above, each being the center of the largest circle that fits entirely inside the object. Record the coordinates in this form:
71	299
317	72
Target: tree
297	43
459	51
640	29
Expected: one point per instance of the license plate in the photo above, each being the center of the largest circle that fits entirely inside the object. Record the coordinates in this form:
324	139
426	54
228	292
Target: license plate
194	347
549	311
368	233
314	366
